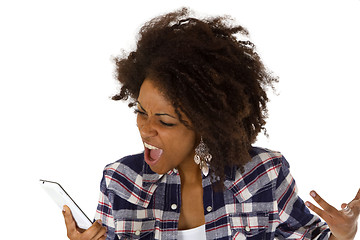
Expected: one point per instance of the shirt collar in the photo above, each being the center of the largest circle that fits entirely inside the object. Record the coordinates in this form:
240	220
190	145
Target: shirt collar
243	184
234	181
258	174
150	177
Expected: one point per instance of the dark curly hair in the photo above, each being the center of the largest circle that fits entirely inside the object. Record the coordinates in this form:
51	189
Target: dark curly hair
207	73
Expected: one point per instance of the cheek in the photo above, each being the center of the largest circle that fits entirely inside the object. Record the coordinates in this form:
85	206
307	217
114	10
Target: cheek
185	142
140	121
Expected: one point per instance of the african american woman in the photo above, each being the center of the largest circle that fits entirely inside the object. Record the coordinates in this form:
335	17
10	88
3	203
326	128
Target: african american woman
199	92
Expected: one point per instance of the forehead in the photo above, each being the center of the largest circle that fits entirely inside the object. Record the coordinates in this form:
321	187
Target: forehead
150	95
153	100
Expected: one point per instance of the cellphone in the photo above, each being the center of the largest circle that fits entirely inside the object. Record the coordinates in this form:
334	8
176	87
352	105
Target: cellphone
61	198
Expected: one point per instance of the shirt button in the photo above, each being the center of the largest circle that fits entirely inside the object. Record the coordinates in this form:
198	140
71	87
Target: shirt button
137	233
247	229
173	206
209	209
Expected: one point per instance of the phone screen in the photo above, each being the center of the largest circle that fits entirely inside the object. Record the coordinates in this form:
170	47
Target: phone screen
61	198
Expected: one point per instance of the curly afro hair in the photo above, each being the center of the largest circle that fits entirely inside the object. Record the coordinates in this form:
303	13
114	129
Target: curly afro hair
208	74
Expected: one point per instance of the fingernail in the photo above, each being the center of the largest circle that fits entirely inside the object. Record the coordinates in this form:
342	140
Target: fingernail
346	208
313	194
99	221
63	210
307	204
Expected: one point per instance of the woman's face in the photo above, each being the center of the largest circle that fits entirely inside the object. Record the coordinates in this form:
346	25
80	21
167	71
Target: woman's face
168	143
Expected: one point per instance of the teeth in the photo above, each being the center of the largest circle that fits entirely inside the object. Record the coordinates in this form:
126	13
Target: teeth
149	146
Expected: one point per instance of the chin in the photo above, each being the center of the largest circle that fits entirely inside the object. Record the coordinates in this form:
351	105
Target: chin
157	170
161	170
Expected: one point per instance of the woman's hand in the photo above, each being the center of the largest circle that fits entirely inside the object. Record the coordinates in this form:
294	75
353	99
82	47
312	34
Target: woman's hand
342	223
95	232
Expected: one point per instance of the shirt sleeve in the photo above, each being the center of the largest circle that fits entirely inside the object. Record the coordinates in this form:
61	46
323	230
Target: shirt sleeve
104	211
296	221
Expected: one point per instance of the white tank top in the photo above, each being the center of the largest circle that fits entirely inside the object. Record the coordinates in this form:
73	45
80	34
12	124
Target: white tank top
197	233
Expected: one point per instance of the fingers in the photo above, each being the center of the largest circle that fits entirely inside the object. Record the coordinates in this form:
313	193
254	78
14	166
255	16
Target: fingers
327	207
99	230
69	222
95	232
352	208
327	213
345	208
324	215
354	205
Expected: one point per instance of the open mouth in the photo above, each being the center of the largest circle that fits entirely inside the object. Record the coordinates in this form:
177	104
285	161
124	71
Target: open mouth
152	154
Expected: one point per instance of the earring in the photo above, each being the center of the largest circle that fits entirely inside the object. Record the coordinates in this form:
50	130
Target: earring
202	157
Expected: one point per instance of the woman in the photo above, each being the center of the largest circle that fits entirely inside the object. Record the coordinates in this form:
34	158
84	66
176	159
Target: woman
200	102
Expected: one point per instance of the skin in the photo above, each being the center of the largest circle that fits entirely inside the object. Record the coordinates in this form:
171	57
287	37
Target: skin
178	143
95	232
342	223
159	126
153	111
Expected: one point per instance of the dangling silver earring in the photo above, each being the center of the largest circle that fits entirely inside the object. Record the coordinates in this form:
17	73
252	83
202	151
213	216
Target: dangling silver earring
202	157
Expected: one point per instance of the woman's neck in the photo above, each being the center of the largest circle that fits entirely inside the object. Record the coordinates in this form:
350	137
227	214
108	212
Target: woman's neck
190	172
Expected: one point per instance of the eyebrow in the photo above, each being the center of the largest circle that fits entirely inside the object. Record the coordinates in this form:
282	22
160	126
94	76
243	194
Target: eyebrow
156	114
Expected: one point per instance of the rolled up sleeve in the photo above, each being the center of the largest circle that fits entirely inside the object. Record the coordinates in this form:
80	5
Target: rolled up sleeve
296	221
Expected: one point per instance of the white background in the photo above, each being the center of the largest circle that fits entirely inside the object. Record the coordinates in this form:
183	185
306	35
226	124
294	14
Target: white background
57	121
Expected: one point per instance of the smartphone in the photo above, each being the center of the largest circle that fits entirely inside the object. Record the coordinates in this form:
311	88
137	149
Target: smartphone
61	198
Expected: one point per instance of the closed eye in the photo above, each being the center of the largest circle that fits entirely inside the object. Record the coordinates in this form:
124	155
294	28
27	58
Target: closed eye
167	124
137	111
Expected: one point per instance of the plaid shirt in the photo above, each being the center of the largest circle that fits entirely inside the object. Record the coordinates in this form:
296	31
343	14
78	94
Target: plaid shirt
260	203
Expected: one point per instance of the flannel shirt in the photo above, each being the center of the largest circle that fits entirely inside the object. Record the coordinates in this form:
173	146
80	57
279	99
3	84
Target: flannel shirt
260	203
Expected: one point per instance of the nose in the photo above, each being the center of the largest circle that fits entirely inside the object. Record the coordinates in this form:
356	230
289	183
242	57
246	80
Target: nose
146	128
